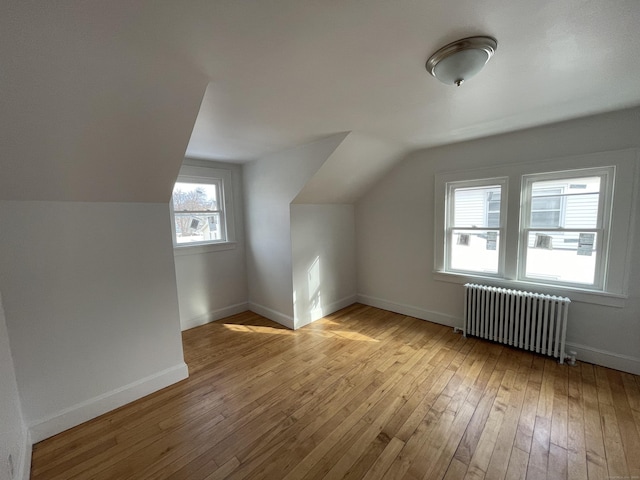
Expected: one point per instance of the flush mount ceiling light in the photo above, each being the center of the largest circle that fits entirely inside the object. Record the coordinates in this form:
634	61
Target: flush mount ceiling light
457	62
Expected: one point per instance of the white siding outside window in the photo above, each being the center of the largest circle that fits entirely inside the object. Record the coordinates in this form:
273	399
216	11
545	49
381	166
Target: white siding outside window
475	226
564	229
566	244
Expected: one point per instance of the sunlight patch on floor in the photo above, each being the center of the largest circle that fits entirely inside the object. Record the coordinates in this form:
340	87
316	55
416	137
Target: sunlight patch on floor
328	333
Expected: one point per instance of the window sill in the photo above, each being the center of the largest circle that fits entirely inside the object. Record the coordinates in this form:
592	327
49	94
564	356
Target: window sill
575	294
181	250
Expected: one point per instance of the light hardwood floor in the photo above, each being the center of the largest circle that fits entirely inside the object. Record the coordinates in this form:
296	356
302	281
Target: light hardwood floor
363	393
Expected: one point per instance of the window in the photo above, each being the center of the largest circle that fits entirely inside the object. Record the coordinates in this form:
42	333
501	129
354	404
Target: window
197	212
564	226
560	225
494	197
201	209
474	226
562	234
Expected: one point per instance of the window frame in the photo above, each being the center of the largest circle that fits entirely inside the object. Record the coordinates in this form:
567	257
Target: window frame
602	228
218	182
623	211
195	172
502	182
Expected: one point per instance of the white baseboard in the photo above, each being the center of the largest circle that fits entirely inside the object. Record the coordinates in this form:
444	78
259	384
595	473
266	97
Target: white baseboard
24	469
94	407
329	309
278	317
214	315
411	311
624	363
605	358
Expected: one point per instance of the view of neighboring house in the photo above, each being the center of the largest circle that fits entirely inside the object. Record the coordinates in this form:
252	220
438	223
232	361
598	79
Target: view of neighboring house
561	241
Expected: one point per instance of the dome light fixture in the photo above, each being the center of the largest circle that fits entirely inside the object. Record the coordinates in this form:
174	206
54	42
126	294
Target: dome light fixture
457	62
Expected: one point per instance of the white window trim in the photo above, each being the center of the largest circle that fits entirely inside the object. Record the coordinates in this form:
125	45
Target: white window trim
197	249
218	182
198	174
603	227
622	221
451	186
575	294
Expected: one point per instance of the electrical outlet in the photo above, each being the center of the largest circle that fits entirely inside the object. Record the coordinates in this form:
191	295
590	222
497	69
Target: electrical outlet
10	467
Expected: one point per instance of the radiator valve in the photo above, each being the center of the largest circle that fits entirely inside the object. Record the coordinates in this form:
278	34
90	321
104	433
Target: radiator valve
571	358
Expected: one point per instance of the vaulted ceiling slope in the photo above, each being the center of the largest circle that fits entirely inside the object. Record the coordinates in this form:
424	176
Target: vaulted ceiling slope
356	164
99	99
91	109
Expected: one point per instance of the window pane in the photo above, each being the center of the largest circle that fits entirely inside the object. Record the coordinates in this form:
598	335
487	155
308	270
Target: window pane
568	203
545	219
195	197
475	251
471	206
493	219
568	185
582	211
546	205
562	257
546	202
197	228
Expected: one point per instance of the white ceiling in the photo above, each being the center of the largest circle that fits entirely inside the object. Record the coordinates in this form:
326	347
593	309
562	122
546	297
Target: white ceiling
98	99
286	72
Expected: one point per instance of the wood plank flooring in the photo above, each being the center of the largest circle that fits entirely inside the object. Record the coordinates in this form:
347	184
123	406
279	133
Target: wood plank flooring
362	394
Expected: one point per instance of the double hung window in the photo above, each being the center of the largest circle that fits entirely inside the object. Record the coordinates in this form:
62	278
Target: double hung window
565	226
474	226
560	223
198	211
202	209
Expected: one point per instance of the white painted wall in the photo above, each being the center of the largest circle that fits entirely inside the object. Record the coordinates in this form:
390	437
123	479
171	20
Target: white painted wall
395	233
212	280
14	439
90	300
270	185
323	251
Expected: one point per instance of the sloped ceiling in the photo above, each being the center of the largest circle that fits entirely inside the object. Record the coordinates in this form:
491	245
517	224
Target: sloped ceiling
88	111
284	72
99	99
354	166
